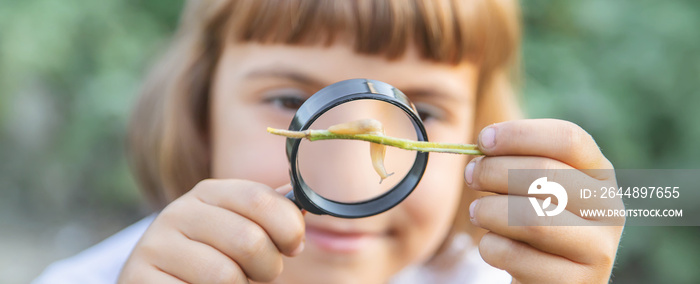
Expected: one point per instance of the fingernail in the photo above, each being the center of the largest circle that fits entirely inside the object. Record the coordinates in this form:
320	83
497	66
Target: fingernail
299	249
469	172
284	189
487	138
472	207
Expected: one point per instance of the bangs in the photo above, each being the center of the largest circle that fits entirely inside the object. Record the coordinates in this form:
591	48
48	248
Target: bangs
446	31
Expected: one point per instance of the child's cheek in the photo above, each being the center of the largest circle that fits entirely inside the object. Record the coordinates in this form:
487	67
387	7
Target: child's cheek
247	152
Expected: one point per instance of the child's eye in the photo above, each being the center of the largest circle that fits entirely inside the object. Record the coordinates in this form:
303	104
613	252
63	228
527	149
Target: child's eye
290	103
424	115
428	112
287	99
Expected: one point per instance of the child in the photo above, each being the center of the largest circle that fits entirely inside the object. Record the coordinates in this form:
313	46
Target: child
201	152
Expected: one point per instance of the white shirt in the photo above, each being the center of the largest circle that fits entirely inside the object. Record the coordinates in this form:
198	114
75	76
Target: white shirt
102	263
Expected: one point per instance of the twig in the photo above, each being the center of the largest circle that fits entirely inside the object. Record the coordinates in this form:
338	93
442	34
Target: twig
422	146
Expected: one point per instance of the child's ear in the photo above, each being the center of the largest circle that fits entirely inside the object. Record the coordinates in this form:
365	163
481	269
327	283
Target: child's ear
496	102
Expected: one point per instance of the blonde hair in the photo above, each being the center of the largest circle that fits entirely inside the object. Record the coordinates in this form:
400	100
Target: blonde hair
168	135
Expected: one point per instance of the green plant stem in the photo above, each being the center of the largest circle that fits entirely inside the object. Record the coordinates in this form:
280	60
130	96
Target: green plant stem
422	146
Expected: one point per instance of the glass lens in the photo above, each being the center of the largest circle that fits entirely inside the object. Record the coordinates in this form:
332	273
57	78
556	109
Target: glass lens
342	170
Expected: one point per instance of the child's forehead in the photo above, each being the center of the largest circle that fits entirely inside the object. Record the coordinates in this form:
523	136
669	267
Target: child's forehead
443	31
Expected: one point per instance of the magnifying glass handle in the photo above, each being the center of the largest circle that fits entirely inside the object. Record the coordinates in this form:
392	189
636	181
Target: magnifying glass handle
290	196
309	208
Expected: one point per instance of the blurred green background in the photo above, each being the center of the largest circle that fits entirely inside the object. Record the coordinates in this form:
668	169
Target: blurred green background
628	71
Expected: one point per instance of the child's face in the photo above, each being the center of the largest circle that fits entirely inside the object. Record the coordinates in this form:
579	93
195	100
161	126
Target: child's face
256	86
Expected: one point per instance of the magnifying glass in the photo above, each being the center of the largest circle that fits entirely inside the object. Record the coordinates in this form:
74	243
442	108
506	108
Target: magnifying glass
336	177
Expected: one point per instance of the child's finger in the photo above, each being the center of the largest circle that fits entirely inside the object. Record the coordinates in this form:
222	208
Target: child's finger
556	139
278	216
156	276
191	261
491	174
152	275
233	235
558	235
527	264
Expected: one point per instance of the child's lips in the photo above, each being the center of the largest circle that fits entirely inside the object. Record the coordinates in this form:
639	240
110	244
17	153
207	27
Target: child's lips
340	241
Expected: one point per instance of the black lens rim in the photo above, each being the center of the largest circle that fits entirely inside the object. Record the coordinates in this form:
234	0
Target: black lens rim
328	98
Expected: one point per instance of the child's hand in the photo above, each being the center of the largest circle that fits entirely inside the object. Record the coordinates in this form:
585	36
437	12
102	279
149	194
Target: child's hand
541	254
222	231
